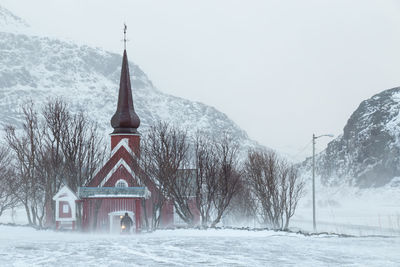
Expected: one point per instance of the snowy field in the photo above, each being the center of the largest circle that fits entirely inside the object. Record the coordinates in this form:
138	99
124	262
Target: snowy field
348	210
372	216
23	246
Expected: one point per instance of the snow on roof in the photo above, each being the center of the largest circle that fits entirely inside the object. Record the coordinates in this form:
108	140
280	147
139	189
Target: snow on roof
65	192
113	192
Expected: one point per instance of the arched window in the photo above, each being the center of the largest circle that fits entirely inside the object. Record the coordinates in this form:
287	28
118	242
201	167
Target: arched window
121	183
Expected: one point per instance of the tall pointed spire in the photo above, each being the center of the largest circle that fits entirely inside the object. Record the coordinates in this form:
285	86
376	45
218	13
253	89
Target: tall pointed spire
125	119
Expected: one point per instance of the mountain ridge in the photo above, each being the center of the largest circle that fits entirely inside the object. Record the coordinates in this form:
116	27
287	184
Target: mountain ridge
367	153
37	67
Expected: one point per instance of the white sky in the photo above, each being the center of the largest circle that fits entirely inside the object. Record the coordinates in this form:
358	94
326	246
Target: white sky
280	69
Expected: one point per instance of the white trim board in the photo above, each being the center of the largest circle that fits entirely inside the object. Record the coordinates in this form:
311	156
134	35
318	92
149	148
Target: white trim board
123	143
115	168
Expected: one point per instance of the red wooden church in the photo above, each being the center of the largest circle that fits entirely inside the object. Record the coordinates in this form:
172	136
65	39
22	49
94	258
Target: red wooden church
117	188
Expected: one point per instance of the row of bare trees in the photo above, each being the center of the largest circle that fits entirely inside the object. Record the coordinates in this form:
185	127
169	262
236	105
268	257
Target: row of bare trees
204	177
199	176
53	146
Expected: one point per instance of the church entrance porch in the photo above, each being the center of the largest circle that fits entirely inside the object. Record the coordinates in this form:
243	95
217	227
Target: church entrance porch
104	206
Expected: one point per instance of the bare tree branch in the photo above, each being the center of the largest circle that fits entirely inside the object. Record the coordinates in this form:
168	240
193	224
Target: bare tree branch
276	186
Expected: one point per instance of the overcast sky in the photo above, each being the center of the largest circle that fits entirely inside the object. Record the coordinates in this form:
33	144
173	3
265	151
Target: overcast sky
282	70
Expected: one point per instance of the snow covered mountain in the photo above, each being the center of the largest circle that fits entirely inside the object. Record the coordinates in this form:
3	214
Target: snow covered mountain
367	154
36	67
10	22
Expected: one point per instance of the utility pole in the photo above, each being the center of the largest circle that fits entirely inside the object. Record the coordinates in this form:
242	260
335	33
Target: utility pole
313	176
313	182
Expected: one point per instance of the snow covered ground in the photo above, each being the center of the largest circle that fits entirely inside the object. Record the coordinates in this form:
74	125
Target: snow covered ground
372	215
349	210
23	246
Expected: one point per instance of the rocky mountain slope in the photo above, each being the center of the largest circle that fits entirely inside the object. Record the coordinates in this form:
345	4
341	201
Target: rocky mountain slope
367	154
36	67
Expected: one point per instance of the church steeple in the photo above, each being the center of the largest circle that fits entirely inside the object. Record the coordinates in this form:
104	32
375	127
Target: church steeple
125	119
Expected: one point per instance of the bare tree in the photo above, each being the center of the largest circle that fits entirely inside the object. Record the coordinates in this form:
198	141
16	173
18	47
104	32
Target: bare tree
206	166
276	185
83	150
72	149
54	146
51	161
294	192
27	187
228	175
154	167
164	156
217	176
7	199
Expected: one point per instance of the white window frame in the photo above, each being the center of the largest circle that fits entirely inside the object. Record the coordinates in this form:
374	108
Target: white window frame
65	208
121	181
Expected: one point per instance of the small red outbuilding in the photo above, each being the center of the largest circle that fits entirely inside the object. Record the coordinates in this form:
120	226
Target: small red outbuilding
65	209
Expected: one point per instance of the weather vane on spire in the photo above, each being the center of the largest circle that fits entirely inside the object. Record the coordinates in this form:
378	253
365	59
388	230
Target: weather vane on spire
125	28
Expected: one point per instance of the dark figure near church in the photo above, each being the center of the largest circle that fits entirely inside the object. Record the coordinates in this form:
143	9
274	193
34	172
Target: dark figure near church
126	224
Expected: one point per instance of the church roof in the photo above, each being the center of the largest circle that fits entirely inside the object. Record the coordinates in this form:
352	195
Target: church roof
125	119
113	192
